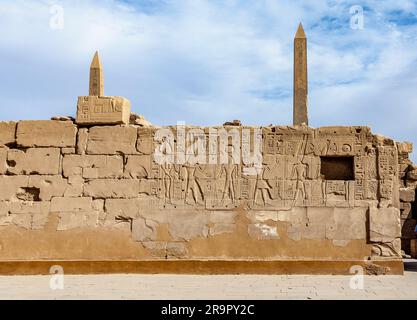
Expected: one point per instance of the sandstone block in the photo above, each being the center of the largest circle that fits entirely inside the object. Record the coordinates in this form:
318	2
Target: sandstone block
94	110
384	224
7	133
12	186
93	166
405	147
187	225
123	208
34	161
176	250
139	166
46	134
77	220
3	160
222	228
309	231
263	231
407	194
68	151
222	217
25	214
63	204
347	224
112	140
144	230
75	187
263	216
48	186
82	137
112	188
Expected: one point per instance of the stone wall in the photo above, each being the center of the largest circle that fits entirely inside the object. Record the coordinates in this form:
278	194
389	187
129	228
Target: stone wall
69	192
408	184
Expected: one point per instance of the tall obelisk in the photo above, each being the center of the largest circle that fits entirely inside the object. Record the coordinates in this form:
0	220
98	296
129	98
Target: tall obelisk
96	77
300	78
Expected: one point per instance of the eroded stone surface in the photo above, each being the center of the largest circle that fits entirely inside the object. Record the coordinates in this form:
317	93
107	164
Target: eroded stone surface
46	134
40	161
93	166
112	140
7	133
384	224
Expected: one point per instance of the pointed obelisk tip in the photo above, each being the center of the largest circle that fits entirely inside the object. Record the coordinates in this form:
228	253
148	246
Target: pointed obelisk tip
96	77
300	32
96	63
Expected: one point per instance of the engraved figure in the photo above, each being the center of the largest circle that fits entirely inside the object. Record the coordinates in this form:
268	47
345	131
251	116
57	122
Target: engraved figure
230	171
167	179
300	170
192	186
262	186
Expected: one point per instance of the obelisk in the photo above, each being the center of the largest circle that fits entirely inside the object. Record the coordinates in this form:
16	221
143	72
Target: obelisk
96	77
300	113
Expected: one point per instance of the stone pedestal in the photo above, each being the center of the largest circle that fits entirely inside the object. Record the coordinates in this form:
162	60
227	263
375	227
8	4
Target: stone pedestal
94	110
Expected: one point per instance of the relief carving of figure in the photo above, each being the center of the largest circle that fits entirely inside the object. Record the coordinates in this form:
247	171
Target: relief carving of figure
300	171
167	179
192	187
230	170
262	186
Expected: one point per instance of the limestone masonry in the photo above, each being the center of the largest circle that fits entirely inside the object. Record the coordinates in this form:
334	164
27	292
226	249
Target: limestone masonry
92	189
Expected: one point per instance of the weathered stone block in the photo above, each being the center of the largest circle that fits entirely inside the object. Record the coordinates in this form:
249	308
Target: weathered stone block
93	110
139	166
63	204
75	186
82	138
222	228
48	186
407	194
68	151
144	230
309	231
262	216
112	188
404	147
223	217
187	225
34	161
347	224
3	159
77	220
93	166
384	224
123	208
11	186
25	214
176	250
7	133
262	231
112	140
46	134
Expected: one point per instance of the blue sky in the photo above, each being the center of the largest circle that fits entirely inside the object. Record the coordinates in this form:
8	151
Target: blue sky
207	62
